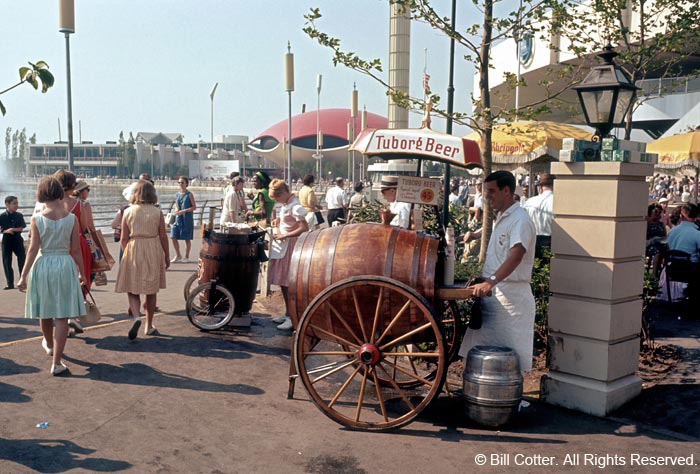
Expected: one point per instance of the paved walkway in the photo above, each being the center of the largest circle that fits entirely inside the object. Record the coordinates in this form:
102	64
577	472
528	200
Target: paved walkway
216	403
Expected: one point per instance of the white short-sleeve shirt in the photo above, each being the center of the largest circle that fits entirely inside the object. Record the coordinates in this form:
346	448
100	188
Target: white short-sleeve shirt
403	214
540	209
511	227
291	214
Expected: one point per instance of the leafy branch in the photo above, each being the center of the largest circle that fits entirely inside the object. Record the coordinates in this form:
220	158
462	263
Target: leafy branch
37	74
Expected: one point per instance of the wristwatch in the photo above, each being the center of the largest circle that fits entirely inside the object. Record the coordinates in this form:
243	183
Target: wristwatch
493	279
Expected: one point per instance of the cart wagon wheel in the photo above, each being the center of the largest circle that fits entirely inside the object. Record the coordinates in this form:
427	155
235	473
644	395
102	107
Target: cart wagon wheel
188	284
210	306
452	330
357	321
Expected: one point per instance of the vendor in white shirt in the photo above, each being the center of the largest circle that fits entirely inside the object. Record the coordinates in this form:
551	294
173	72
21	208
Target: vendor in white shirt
540	209
399	213
509	312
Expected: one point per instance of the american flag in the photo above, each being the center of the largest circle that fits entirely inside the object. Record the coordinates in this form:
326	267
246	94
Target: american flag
426	82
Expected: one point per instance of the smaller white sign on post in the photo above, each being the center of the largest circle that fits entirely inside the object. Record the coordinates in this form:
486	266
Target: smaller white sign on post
418	190
216	169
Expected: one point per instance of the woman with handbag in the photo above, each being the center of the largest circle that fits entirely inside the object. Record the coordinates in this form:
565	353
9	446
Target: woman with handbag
183	228
52	280
146	255
75	206
307	198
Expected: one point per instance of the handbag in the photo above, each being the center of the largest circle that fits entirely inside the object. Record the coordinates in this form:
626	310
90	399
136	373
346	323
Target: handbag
102	260
169	218
92	313
100	279
319	217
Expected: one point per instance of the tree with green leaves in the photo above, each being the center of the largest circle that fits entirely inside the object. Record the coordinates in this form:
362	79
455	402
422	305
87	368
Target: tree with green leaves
32	139
654	38
477	40
37	74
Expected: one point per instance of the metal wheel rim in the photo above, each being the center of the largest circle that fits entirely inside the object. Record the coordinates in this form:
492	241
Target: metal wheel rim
188	284
196	312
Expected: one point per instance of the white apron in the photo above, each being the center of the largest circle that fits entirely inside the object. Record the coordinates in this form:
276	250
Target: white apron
508	320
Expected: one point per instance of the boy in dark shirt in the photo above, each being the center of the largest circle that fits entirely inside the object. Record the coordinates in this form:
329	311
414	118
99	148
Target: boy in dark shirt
11	225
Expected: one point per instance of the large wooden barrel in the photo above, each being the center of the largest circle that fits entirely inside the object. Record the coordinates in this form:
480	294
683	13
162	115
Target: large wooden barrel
493	384
326	256
234	261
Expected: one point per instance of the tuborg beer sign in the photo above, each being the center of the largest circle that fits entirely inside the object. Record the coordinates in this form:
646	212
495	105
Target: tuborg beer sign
418	143
418	190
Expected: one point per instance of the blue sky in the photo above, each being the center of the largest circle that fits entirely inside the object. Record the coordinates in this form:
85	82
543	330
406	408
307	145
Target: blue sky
149	65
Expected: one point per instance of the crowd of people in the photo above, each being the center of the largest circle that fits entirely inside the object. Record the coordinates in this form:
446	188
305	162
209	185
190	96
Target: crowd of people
56	271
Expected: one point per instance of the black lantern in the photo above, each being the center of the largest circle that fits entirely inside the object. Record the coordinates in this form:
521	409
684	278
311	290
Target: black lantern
606	94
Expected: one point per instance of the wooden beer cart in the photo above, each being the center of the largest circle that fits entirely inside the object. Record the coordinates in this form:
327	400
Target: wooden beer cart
227	273
375	328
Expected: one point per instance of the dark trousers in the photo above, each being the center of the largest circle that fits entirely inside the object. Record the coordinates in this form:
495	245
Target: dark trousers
10	246
335	215
542	242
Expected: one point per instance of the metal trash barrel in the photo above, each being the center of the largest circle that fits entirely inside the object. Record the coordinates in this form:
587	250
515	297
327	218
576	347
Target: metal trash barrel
493	385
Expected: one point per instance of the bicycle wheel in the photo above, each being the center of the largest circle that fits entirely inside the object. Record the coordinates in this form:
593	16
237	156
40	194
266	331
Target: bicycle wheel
210	306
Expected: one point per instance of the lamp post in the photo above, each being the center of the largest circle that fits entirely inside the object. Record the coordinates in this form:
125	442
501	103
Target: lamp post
289	87
450	104
606	94
66	25
353	116
211	95
319	136
363	125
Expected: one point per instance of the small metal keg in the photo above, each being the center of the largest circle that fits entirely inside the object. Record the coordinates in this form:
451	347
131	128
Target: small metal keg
493	385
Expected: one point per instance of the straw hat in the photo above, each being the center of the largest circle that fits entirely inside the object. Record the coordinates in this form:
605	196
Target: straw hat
389	182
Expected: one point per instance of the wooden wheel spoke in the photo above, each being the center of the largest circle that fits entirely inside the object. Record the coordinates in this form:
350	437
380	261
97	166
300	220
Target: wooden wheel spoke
393	321
359	314
340	367
361	397
342	320
334	336
330	353
404	371
379	394
412	354
397	388
344	386
376	315
406	336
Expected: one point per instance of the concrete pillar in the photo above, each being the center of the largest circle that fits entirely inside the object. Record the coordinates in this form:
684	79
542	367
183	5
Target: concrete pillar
399	61
597	274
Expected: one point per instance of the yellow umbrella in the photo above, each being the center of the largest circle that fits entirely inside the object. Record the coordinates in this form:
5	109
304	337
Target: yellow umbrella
677	151
519	143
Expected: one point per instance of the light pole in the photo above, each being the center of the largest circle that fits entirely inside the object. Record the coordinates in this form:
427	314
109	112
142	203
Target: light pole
363	125
211	95
319	136
450	103
289	87
353	115
66	25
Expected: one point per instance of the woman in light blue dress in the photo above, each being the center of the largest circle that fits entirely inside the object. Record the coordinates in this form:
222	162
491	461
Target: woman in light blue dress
183	228
53	279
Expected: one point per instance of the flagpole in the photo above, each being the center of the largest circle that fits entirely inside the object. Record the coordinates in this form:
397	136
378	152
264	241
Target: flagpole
419	170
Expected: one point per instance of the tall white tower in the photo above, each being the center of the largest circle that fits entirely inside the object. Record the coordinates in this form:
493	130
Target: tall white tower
399	60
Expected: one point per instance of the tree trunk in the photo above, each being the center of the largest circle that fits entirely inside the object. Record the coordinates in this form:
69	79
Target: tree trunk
486	123
628	119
